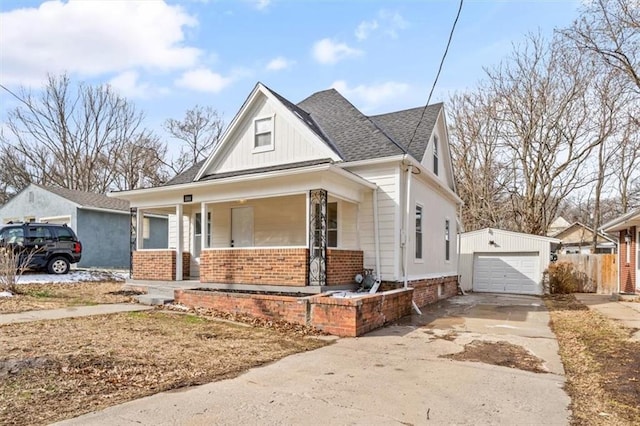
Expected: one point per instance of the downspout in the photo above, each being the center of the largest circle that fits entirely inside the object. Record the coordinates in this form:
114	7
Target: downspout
405	236
459	229
376	241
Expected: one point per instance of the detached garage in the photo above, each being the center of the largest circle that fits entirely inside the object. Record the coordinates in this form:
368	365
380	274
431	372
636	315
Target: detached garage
496	261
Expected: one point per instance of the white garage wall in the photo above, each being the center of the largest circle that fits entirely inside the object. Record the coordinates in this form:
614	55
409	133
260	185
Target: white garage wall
504	242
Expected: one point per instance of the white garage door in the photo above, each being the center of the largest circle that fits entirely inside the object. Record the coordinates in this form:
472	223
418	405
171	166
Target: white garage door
507	273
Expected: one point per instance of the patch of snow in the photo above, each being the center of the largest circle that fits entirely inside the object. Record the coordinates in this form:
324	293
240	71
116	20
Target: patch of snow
5	294
74	276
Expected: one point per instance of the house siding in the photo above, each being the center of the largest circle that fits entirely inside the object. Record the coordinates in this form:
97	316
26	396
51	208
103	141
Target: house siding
290	144
41	204
628	270
105	239
388	181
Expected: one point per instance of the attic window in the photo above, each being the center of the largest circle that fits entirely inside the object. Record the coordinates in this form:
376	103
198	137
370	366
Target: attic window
435	154
263	130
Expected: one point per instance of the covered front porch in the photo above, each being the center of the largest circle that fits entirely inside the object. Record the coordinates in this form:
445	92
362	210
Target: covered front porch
271	235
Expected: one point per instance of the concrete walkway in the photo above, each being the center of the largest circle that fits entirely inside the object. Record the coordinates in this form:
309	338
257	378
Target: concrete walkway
627	313
71	312
393	376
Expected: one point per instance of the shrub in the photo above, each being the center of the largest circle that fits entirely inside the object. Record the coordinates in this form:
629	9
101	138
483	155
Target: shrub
562	278
13	262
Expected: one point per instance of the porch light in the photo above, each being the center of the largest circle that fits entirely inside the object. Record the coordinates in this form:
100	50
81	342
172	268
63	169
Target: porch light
627	238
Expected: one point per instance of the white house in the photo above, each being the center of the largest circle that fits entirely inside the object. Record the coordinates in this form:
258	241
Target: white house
305	196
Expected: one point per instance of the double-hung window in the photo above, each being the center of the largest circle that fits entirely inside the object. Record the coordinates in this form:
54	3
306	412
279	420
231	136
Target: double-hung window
447	241
419	218
435	154
263	134
332	224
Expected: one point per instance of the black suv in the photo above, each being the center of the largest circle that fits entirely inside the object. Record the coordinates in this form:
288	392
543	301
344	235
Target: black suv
54	247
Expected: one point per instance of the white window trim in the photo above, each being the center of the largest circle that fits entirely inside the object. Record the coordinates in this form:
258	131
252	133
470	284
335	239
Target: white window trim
271	146
338	220
415	231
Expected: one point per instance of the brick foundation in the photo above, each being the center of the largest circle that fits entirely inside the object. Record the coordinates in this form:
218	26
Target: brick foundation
158	265
339	316
628	270
343	265
426	291
274	266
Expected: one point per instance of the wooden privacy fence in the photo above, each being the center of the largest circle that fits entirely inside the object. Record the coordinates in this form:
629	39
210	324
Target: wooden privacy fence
596	273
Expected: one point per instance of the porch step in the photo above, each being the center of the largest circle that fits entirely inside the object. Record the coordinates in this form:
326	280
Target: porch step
163	291
153	299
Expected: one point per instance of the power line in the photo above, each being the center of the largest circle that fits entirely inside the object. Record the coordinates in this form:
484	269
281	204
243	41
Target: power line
446	50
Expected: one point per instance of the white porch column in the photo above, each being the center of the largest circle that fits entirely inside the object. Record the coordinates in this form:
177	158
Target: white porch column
180	242
139	230
308	216
204	224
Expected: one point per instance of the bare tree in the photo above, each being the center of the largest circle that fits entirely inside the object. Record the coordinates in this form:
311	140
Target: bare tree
611	30
70	136
199	132
141	164
543	113
481	173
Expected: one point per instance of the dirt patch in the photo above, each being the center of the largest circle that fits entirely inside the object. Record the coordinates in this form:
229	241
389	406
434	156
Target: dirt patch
33	297
602	365
53	370
258	292
499	353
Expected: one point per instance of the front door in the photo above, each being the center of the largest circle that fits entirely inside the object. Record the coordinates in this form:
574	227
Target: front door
242	227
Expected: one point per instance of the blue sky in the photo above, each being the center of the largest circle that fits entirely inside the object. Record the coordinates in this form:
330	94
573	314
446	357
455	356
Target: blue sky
167	56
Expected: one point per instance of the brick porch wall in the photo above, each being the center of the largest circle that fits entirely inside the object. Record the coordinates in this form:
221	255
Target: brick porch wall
426	290
343	265
347	317
158	265
628	270
273	266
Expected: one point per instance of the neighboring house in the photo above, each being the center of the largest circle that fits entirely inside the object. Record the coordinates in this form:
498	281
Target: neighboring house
578	238
627	227
305	196
497	261
102	223
557	225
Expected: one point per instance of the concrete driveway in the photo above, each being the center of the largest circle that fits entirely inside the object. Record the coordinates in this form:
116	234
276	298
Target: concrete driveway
391	376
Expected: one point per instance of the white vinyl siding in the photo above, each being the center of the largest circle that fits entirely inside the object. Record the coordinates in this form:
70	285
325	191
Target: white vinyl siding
348	223
388	181
290	144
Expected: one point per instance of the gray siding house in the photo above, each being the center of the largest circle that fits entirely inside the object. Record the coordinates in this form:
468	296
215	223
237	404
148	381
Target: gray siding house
102	223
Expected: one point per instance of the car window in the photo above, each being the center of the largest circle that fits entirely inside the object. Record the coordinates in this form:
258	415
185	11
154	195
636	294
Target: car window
12	236
39	234
65	234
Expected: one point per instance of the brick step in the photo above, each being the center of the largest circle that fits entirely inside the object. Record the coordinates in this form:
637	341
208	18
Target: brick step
153	299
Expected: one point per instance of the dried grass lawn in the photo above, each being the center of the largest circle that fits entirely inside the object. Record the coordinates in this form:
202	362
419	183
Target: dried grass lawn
54	296
602	365
53	370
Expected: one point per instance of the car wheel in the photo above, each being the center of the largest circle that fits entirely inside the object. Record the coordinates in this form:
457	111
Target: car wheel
58	265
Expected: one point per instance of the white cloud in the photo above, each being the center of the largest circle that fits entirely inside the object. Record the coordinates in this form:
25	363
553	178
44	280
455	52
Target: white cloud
374	95
393	22
91	38
261	4
128	85
390	23
280	63
327	51
365	28
203	80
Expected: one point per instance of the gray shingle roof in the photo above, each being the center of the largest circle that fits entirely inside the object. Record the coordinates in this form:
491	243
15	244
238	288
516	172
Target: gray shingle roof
187	176
88	199
267	169
356	136
400	126
348	132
